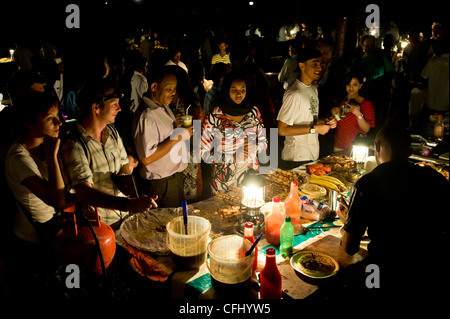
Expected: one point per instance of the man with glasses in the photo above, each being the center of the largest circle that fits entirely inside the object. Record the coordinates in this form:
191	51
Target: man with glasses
94	150
162	151
298	117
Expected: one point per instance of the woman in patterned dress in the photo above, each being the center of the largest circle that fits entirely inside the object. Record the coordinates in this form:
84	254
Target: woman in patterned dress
232	135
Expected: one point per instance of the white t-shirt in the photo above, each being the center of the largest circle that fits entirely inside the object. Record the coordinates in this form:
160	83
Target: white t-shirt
288	72
139	86
180	64
300	108
19	165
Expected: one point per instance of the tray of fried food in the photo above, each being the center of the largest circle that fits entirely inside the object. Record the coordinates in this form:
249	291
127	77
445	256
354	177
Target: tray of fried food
279	183
230	211
272	190
285	177
318	169
231	198
337	162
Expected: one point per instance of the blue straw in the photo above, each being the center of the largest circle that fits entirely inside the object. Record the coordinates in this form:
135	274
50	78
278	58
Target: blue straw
253	246
185	216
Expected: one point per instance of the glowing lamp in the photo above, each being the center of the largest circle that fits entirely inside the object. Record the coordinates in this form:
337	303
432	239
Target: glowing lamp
252	198
359	156
360	153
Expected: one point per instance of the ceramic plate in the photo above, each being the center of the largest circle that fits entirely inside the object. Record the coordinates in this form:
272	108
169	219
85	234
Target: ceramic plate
314	264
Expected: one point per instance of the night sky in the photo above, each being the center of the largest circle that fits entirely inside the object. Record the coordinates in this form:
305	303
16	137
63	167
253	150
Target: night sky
47	18
102	26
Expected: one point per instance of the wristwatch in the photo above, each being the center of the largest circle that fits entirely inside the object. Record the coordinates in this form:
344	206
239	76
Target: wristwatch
360	117
312	130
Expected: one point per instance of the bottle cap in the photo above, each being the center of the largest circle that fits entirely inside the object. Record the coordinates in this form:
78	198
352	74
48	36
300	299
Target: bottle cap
287	218
295	183
276	199
248	225
270	251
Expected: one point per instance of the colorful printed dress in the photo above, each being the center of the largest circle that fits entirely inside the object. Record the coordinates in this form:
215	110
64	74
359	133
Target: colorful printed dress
222	138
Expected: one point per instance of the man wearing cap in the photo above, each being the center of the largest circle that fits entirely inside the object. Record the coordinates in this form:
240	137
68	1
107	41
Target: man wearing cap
94	150
298	118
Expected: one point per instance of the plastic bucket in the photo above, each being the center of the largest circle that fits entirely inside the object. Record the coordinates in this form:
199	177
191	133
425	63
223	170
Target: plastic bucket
227	262
189	251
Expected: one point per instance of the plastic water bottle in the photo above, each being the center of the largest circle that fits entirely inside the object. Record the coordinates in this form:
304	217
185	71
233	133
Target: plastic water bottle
293	207
286	238
273	223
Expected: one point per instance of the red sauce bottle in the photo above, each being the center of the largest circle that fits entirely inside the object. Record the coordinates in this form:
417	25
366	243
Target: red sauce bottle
248	234
270	285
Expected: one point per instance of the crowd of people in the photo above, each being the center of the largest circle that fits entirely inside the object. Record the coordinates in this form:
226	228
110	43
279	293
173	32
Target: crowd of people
129	121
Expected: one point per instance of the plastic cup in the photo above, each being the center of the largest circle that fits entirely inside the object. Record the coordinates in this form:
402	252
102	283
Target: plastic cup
227	263
189	251
187	120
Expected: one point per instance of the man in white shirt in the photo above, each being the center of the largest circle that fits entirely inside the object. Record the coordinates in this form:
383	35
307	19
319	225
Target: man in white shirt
289	71
175	59
161	151
139	83
298	117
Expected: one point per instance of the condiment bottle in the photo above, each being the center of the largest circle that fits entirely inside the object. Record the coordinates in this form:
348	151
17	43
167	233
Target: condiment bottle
248	234
293	207
286	238
270	277
439	128
273	223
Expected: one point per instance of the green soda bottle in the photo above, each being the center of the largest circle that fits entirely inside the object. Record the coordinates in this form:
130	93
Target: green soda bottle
286	237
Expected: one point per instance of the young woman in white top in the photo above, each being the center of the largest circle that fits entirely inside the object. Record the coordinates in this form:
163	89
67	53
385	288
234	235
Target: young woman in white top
34	177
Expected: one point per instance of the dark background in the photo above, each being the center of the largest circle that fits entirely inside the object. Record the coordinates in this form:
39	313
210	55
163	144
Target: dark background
104	26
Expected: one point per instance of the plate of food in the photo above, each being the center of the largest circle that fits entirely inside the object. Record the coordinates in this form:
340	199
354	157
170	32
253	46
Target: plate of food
318	169
312	191
147	231
314	265
338	162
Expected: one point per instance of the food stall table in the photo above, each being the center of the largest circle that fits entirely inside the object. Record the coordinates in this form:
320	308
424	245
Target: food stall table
197	283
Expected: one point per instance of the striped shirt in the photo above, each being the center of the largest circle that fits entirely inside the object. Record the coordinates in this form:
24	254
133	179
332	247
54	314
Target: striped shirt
347	128
221	59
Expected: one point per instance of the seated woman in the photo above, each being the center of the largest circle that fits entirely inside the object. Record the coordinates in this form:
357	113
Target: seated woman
34	178
357	115
232	135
